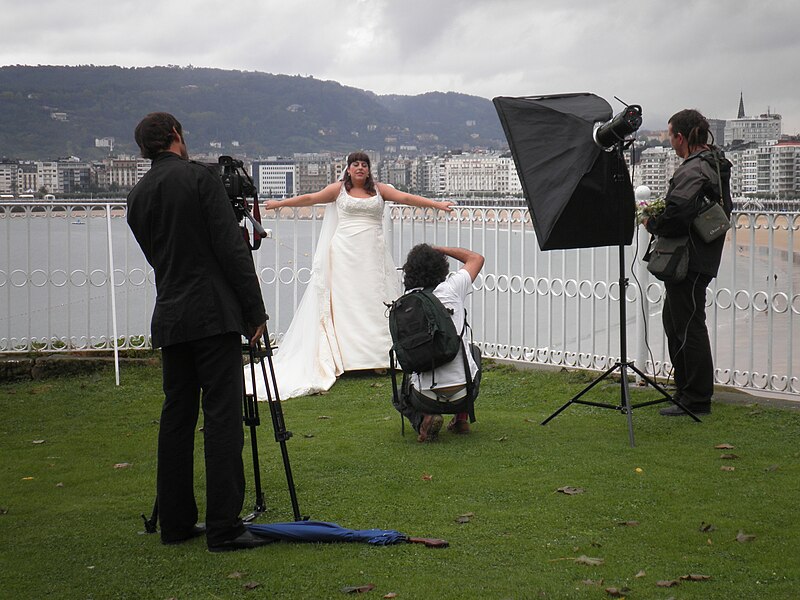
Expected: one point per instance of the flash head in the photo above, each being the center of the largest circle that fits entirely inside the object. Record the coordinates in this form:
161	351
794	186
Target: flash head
617	129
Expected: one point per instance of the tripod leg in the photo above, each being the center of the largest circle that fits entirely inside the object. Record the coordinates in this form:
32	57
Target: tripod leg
625	401
278	424
151	524
252	420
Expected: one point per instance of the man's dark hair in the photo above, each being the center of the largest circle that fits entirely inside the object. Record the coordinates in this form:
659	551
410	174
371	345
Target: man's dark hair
693	125
425	267
154	134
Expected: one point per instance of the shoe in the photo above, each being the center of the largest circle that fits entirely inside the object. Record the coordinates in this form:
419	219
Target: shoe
429	428
196	531
457	425
677	411
245	541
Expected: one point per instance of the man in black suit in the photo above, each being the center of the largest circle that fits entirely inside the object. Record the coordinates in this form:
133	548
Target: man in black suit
207	297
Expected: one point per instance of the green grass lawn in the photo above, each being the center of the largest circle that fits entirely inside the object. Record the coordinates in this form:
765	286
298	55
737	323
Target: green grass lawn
670	507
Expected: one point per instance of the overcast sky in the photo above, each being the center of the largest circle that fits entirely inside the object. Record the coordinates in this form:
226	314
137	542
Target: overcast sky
663	54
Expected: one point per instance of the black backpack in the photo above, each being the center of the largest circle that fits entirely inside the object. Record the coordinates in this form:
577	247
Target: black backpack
423	334
424	337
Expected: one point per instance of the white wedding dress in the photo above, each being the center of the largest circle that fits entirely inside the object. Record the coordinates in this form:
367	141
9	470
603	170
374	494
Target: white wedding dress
341	323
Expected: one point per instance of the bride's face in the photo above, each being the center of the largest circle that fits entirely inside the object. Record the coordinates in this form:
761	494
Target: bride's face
359	171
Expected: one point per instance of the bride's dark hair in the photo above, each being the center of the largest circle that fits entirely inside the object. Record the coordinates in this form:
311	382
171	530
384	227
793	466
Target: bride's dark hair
369	184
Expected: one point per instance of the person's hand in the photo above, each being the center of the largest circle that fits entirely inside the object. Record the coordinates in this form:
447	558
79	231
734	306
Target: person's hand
446	205
272	204
258	334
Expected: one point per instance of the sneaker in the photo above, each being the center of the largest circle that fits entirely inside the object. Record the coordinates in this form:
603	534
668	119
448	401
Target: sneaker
429	428
677	411
457	425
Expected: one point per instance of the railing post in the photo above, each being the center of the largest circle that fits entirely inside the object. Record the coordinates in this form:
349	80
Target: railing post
643	277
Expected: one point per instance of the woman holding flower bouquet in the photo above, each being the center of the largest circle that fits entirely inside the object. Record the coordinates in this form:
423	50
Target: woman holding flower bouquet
704	173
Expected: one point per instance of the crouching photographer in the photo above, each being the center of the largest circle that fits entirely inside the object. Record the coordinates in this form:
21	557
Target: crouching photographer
451	387
207	297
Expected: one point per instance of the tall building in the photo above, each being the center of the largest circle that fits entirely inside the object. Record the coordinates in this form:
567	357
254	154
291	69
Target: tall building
761	129
313	172
274	177
8	177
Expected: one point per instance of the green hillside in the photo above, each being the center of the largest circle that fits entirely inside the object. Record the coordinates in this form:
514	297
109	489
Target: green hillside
266	114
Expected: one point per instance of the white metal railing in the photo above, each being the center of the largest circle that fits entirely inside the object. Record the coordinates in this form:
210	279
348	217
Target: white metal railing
72	277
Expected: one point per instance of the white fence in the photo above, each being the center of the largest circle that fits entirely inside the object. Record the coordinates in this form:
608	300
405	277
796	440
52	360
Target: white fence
72	277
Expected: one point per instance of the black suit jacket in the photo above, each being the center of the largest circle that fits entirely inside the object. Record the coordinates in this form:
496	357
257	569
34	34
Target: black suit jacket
206	282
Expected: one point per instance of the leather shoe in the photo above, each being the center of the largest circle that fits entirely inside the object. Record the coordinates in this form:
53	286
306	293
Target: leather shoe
457	425
196	531
245	541
677	411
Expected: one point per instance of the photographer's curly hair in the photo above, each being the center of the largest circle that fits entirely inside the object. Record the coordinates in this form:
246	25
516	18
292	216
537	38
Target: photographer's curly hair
154	134
693	126
425	267
369	184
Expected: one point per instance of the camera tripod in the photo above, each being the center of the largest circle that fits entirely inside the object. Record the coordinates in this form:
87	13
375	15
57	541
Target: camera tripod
623	364
251	419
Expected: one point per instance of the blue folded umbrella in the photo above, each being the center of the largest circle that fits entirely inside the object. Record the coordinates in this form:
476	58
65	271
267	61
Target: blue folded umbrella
320	531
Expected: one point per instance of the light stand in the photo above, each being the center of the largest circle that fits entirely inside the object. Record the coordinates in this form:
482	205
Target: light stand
623	364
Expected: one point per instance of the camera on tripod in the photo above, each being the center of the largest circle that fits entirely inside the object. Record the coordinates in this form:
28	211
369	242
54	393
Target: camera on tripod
243	195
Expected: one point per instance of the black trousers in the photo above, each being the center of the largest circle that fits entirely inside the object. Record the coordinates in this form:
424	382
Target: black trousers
405	404
684	318
213	366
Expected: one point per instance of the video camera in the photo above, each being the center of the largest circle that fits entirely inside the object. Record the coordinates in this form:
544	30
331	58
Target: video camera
240	187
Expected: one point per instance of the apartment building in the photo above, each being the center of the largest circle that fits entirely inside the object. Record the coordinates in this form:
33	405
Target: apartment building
274	177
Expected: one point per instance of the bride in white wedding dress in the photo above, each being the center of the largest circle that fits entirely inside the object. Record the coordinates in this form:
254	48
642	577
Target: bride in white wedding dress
340	324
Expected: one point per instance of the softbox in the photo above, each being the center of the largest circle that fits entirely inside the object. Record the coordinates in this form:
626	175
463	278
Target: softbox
579	194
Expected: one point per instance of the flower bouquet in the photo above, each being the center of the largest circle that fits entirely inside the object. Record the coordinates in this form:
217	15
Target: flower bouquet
648	210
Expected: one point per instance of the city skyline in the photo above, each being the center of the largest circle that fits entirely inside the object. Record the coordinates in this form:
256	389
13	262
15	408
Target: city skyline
644	52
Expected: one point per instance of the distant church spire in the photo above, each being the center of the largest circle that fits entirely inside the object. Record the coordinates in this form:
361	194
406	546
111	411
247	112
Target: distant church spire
741	106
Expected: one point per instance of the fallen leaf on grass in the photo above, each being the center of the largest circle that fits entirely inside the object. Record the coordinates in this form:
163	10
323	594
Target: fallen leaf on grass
706	527
640	574
236	575
308	436
122	465
617	592
694	577
628	523
390	595
667	583
570	491
3	510
27	479
251	585
427	477
59	484
464	518
729	456
529	420
324	417
744	537
38	441
727	468
502	439
358	589
376	385
598	583
724	447
772	468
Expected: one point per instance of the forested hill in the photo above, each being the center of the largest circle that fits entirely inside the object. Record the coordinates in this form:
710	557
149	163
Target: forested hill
49	112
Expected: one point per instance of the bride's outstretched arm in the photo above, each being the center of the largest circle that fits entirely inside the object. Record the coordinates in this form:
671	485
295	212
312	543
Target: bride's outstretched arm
326	194
394	195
